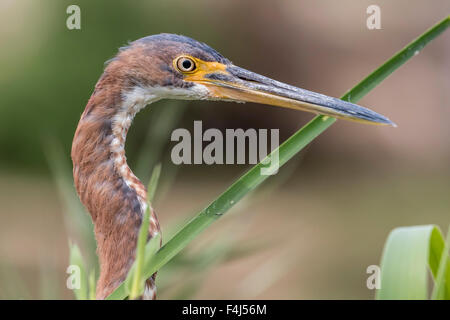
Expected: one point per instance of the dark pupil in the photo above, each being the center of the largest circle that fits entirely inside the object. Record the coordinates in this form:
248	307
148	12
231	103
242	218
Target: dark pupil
187	64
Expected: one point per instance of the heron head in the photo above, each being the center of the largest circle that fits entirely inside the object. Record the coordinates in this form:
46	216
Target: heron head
178	67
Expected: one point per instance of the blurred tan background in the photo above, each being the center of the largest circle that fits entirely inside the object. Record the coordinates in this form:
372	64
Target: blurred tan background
316	228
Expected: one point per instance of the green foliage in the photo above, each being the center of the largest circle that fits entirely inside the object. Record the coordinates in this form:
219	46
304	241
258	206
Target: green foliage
153	184
134	283
92	285
441	289
408	255
135	280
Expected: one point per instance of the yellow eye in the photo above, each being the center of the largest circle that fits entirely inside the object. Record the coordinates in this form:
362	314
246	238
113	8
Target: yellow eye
185	64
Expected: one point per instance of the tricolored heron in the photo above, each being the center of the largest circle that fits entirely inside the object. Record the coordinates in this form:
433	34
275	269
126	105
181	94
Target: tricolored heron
164	66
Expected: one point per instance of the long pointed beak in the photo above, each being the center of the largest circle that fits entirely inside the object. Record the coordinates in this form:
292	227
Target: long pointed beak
237	84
